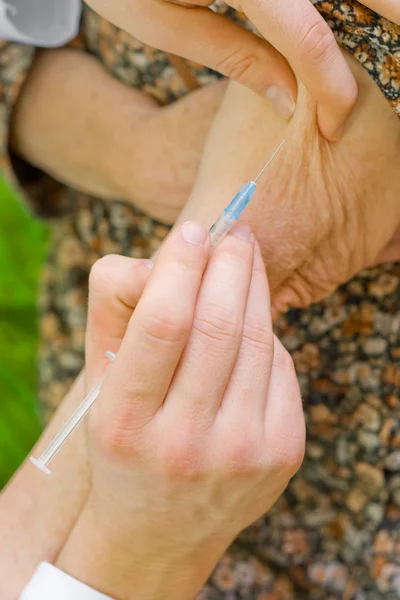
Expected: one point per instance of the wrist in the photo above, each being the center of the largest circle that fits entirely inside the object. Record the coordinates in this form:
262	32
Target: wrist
130	566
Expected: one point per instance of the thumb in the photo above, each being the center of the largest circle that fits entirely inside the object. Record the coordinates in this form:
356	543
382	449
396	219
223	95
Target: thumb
115	286
200	35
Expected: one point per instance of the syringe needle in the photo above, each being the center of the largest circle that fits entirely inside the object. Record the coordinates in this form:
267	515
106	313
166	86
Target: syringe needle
269	161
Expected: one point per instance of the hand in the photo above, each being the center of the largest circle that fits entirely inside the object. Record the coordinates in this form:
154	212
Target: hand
80	125
198	427
323	211
294	28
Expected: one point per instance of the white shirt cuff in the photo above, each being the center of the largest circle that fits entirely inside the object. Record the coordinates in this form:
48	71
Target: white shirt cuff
49	583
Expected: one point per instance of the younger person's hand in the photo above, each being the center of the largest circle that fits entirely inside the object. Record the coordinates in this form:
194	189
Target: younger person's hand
198	427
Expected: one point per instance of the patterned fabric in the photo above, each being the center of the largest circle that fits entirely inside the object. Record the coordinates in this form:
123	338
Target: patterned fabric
373	40
336	531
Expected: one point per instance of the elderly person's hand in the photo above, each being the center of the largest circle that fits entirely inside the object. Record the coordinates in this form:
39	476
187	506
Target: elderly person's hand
323	211
199	424
76	122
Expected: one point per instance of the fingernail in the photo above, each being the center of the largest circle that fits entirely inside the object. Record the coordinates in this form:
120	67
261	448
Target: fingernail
242	231
149	264
194	233
281	100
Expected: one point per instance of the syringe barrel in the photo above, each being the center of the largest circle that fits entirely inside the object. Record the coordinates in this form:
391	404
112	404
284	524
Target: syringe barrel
221	227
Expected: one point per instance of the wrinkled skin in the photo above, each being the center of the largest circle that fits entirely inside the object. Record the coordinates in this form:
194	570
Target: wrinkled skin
324	211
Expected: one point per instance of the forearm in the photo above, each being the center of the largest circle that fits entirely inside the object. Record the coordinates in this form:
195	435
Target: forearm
69	114
37	512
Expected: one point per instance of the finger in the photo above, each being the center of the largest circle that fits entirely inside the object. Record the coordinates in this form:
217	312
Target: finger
216	42
214	342
115	286
284	417
300	33
159	328
250	377
386	8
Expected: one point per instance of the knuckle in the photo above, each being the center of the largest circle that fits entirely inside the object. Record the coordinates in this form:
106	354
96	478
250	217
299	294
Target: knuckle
217	323
240	457
284	361
166	326
181	456
113	439
287	453
318	42
258	336
239	65
101	272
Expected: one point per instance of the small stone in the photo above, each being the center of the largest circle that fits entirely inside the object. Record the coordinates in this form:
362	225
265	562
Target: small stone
374	346
320	413
396	585
314	451
369	440
396	497
296	544
384	543
345	451
357	541
332	316
370	475
377	566
356	500
368	417
392	461
332	576
393	401
307	358
385	285
374	514
301	489
389	573
395	353
391	375
356	288
291	342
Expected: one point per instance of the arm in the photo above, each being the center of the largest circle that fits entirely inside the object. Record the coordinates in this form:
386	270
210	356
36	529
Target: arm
37	512
323	211
80	125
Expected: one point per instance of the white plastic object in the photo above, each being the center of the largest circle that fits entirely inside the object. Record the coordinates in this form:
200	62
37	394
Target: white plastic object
49	583
43	23
59	440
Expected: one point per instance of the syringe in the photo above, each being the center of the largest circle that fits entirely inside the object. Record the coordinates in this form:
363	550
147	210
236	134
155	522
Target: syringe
233	211
218	231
